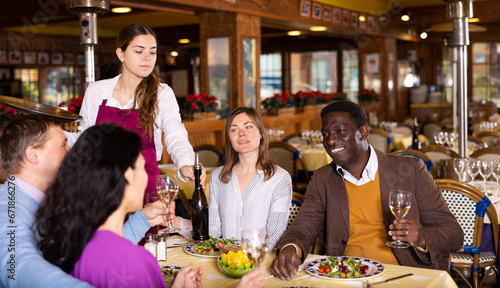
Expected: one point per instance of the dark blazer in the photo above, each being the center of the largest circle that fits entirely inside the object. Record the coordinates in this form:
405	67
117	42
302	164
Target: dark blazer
326	209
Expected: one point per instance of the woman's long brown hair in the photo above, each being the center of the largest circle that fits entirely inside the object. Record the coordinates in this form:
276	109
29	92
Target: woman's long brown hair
263	161
147	91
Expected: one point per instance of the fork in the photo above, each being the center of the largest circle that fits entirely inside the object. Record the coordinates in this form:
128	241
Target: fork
367	285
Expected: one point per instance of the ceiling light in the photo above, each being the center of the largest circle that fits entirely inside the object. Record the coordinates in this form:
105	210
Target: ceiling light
471	20
423	35
362	18
317	28
174	53
406	16
121	9
184	41
294	33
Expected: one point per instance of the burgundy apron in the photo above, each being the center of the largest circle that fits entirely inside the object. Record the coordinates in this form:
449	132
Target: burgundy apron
130	121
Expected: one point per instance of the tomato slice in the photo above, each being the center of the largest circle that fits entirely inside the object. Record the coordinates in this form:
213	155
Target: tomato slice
328	269
321	269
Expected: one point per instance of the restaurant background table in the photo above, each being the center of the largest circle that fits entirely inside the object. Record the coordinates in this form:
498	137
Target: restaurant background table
212	277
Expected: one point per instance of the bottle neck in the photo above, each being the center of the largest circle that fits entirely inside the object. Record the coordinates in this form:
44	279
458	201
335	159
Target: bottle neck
197	175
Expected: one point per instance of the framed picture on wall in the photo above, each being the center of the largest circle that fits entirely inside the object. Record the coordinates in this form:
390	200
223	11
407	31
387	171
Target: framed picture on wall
43	58
327	13
336	15
56	58
30	57
69	58
370	22
354	19
316	10
305	8
345	18
80	59
14	57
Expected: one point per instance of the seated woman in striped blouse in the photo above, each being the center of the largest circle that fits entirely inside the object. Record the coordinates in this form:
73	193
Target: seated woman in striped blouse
249	190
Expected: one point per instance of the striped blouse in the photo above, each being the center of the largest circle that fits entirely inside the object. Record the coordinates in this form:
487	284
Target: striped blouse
265	204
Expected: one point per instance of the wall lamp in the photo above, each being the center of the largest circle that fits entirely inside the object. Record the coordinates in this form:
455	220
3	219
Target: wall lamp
423	35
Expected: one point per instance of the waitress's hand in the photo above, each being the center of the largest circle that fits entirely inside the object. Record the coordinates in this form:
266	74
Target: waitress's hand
187	172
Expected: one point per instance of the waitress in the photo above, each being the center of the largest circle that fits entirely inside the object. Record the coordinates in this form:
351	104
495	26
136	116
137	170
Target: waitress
138	101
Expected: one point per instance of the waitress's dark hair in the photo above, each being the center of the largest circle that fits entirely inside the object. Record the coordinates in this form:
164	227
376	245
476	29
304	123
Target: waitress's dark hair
147	91
89	187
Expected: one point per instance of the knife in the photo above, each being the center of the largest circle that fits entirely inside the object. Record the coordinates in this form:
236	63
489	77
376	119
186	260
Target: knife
390	279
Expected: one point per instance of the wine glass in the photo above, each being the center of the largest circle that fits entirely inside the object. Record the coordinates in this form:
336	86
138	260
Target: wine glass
459	166
167	186
485	169
400	203
254	243
472	169
496	174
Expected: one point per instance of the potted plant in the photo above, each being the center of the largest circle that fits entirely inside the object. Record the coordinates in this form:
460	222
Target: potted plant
200	106
279	104
7	114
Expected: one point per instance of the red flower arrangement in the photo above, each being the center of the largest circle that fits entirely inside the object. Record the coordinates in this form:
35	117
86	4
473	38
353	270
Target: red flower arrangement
200	103
278	101
366	95
7	114
75	104
311	98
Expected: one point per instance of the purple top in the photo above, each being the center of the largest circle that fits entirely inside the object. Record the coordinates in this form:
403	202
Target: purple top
110	260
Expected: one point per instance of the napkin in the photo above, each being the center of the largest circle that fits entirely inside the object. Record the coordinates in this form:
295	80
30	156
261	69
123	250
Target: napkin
176	241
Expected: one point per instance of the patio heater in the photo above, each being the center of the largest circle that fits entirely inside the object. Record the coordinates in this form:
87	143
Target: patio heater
459	11
88	11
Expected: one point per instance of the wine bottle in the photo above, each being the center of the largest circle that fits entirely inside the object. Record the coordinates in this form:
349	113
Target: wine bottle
200	206
470	127
415	143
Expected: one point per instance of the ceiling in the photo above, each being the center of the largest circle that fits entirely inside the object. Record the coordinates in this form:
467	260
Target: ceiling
26	16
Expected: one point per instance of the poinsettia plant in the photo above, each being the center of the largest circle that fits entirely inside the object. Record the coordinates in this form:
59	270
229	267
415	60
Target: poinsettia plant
74	106
7	114
200	102
278	101
366	95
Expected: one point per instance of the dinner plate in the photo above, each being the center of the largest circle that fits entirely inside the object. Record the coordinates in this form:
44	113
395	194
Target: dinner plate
375	268
39	108
190	250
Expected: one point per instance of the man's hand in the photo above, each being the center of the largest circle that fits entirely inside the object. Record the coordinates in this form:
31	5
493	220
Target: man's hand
285	266
187	172
156	213
253	279
187	278
407	229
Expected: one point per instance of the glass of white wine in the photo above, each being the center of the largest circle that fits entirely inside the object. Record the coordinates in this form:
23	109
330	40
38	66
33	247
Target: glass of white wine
167	186
254	243
400	203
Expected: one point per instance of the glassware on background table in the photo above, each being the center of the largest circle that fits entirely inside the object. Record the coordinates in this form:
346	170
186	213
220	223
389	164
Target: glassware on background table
485	169
496	173
472	168
459	165
400	204
254	243
167	186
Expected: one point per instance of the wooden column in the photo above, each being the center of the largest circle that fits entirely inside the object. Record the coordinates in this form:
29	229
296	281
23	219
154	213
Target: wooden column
236	27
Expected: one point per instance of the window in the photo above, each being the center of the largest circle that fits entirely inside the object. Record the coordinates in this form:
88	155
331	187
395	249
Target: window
312	71
270	75
62	85
486	72
350	81
29	83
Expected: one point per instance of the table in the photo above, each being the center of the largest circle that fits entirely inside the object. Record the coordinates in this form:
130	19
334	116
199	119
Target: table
314	158
401	141
212	277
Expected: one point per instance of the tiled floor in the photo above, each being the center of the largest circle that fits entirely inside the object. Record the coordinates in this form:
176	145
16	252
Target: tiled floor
491	281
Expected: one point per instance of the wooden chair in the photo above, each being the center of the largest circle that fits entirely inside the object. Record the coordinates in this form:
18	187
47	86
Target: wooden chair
491	138
488	153
474	142
380	139
287	157
430	128
431	167
70	126
438	152
295	139
210	155
469	205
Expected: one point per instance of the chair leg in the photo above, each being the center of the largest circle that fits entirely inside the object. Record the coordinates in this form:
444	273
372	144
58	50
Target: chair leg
475	279
463	277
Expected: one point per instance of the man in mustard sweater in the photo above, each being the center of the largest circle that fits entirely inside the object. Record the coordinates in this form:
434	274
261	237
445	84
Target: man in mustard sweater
347	200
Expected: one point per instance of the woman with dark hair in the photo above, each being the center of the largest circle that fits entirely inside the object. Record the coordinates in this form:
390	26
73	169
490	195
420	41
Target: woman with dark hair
81	220
138	101
249	191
